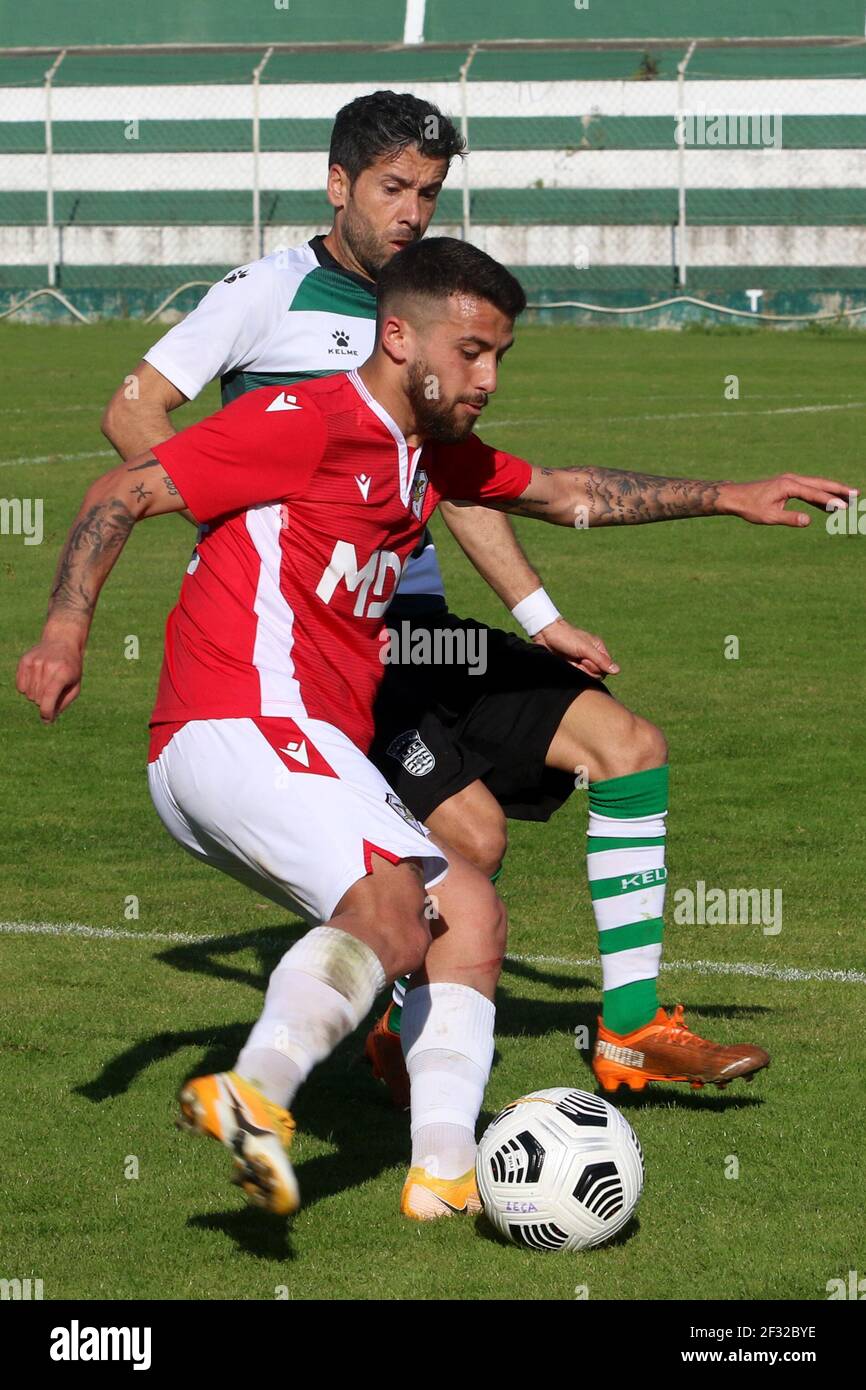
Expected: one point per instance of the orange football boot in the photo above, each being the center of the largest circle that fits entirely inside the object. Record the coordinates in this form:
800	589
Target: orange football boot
384	1051
666	1050
256	1132
426	1198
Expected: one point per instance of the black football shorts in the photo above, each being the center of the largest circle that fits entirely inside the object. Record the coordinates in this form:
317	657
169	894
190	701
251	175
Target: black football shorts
439	727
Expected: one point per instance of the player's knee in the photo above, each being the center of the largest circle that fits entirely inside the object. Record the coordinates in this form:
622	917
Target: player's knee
651	747
491	938
484	842
638	746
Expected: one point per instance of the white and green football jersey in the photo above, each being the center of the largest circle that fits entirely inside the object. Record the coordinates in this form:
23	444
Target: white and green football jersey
292	315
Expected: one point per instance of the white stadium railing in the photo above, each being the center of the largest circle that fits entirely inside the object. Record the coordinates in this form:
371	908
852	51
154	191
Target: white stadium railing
650	185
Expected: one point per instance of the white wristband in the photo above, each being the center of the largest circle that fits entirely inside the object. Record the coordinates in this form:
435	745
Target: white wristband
535	611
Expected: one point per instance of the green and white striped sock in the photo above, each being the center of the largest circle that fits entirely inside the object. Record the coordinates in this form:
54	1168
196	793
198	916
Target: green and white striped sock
627	876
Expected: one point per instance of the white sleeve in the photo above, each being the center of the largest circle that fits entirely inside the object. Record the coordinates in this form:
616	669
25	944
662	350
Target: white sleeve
226	330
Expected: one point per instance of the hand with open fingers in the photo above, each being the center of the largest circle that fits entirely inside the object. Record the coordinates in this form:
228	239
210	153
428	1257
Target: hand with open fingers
763	503
50	675
582	649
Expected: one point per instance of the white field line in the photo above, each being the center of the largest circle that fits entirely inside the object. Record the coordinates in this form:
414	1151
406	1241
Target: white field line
57	458
785	973
49	409
525	420
98	933
98	405
754	969
687	415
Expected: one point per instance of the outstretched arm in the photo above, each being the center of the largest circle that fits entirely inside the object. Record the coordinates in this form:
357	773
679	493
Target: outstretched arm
584	497
50	673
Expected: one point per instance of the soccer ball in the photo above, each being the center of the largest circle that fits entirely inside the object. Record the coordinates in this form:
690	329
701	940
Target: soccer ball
559	1170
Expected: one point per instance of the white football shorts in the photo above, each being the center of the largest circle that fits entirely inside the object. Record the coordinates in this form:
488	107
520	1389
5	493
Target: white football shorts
290	807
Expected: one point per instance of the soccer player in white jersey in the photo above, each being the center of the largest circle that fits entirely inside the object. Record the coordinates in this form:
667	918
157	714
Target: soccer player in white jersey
264	710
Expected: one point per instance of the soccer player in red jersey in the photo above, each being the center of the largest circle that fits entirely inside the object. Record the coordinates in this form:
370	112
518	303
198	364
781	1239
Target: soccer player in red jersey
312	499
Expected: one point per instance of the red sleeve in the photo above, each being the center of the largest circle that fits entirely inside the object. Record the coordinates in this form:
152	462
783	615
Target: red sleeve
264	447
473	471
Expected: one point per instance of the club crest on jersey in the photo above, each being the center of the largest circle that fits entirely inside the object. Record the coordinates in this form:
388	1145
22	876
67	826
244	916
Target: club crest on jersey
404	813
419	492
411	750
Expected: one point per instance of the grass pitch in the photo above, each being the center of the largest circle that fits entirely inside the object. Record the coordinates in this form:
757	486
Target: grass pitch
101	1197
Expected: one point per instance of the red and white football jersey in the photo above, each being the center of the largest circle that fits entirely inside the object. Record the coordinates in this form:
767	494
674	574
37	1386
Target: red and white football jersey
313	501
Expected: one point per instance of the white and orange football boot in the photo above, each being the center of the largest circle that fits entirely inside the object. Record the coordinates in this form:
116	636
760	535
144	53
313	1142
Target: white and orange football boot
665	1049
256	1131
426	1198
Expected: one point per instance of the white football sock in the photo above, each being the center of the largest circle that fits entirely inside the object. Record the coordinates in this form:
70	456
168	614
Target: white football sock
447	1036
444	1151
317	995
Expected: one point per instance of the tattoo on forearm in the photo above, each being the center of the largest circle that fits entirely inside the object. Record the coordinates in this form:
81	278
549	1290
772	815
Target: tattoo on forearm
617	497
527	505
99	534
140	492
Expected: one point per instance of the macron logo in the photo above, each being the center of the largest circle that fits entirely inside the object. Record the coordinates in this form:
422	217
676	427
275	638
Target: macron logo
284	402
298	751
363	480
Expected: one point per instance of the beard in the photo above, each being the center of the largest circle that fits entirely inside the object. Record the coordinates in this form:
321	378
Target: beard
369	251
435	419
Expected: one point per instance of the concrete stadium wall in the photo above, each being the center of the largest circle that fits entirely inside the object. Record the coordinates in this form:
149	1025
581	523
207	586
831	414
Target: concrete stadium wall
537	245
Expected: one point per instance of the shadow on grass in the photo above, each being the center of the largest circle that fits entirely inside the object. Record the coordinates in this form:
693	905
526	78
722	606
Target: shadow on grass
485	1230
208	957
254	1232
345	1107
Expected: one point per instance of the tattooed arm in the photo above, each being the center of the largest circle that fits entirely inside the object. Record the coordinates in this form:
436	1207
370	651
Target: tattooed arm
50	673
584	497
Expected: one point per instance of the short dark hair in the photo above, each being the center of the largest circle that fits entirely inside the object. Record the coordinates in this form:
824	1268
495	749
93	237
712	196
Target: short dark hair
440	266
386	123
